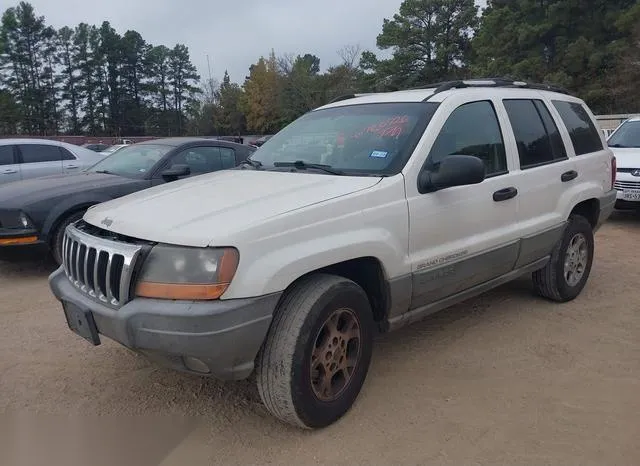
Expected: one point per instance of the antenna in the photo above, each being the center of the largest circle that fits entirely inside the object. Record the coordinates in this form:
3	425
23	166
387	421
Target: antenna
209	67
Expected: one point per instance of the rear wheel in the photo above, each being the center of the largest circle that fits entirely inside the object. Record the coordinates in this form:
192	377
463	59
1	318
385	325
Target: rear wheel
317	353
58	235
566	274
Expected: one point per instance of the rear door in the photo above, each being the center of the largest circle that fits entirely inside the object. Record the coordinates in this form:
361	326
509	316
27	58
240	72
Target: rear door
39	160
70	163
546	173
9	166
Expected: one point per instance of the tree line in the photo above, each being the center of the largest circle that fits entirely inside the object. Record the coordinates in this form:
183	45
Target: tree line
92	80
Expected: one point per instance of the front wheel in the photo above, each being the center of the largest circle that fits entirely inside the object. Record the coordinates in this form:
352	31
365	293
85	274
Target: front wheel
317	353
566	274
58	235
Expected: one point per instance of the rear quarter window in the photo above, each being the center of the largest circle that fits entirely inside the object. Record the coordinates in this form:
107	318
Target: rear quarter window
585	137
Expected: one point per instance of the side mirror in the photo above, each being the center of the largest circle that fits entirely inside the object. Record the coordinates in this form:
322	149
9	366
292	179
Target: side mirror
454	170
175	172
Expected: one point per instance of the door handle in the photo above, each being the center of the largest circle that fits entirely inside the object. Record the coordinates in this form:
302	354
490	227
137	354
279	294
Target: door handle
9	171
505	194
70	167
568	176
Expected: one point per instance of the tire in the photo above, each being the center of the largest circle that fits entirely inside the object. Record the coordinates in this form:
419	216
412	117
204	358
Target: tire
58	235
551	282
287	386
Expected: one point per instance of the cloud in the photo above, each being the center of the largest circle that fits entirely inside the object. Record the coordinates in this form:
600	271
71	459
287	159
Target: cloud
235	34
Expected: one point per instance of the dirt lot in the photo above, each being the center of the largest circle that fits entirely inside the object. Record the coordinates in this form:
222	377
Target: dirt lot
503	379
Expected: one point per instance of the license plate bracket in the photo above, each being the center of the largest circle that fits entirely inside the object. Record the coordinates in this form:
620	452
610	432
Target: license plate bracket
81	322
631	194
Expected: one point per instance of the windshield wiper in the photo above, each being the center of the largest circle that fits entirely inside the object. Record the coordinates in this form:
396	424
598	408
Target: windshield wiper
302	165
105	172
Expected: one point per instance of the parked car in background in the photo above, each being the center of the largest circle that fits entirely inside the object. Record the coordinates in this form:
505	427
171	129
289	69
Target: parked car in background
22	159
260	141
112	149
236	139
96	147
625	144
36	212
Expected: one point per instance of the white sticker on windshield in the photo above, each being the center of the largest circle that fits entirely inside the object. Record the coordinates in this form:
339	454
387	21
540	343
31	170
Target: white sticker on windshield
379	154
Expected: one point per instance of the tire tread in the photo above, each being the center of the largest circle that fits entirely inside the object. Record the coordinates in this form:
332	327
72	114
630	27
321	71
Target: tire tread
546	279
274	383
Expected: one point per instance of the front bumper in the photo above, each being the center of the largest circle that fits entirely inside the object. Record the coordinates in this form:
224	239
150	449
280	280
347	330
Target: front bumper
607	205
216	338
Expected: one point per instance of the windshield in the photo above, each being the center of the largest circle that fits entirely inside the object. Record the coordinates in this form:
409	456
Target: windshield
628	135
354	139
132	161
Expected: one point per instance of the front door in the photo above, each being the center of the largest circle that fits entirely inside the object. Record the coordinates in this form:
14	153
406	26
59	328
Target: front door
463	236
40	160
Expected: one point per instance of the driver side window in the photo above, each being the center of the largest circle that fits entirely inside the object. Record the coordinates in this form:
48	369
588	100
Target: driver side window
200	160
472	129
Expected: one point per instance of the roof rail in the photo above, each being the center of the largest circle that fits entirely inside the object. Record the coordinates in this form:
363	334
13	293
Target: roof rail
491	82
348	96
340	98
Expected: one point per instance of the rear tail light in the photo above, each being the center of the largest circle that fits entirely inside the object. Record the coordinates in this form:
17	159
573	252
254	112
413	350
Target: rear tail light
614	169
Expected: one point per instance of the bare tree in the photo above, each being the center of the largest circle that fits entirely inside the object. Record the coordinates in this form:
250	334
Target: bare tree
350	55
285	63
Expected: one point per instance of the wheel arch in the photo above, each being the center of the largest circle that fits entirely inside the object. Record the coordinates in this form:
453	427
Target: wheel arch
589	209
58	216
367	272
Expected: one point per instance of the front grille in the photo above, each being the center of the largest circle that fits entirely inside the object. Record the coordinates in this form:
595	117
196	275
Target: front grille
620	185
101	268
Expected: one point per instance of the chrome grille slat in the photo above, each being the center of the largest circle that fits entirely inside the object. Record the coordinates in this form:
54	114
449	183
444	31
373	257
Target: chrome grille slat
107	282
86	285
111	262
96	282
619	185
64	253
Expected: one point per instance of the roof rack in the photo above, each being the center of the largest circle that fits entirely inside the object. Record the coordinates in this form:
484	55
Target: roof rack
491	82
347	97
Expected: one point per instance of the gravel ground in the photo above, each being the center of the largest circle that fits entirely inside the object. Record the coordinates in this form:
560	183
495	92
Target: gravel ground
506	378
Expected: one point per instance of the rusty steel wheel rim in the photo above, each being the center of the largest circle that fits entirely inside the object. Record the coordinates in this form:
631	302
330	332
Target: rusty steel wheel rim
335	355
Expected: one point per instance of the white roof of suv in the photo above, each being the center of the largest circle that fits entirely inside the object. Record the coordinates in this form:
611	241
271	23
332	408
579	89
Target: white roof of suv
440	91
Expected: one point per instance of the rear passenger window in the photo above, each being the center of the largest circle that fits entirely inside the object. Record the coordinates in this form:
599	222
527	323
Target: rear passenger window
537	135
462	134
6	155
584	135
228	157
37	153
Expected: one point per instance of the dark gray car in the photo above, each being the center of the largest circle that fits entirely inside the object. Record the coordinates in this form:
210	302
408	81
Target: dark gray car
37	211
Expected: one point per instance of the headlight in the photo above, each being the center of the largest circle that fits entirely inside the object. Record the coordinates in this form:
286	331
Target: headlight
173	272
24	221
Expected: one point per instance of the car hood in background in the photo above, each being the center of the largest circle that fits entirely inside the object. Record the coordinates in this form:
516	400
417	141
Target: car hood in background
23	193
627	157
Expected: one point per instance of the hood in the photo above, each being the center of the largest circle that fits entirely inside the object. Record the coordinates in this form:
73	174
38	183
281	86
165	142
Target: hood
193	212
627	157
20	194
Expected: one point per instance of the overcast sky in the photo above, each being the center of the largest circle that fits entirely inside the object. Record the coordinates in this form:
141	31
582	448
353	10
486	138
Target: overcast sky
235	33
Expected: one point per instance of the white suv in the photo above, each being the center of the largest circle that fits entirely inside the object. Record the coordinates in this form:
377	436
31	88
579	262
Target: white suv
625	144
367	214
